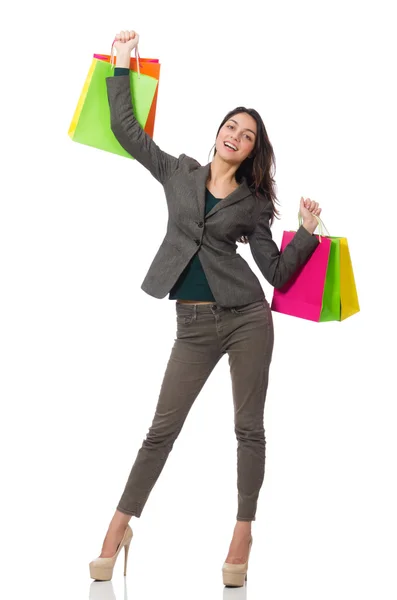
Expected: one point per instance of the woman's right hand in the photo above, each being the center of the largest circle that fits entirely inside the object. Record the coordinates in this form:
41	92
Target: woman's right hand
126	41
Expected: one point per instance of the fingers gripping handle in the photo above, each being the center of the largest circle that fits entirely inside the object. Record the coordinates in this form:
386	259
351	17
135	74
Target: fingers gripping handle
320	224
138	58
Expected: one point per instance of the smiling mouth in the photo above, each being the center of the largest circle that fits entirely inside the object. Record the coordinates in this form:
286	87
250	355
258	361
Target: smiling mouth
231	146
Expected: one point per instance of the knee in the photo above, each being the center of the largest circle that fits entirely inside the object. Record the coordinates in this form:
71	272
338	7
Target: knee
250	433
160	437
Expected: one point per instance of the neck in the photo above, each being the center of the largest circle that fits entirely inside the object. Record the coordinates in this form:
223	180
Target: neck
221	172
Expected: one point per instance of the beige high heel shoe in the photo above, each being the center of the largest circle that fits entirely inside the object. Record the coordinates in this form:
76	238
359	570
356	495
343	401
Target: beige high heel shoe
236	575
101	569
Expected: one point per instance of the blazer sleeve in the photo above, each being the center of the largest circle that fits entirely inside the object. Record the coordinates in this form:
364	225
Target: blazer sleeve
278	267
130	134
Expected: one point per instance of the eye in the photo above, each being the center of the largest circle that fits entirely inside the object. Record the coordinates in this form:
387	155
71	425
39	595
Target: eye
231	126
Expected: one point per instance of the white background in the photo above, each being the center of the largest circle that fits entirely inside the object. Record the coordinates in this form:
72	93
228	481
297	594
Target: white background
84	349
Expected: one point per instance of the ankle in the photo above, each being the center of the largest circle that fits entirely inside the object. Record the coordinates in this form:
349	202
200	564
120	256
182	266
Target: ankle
243	527
119	521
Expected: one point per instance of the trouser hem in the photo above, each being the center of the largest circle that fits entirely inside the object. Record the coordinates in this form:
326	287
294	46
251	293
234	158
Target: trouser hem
132	513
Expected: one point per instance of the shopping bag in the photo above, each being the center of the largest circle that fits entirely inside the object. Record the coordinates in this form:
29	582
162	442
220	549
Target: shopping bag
330	305
349	297
302	295
91	120
324	288
147	66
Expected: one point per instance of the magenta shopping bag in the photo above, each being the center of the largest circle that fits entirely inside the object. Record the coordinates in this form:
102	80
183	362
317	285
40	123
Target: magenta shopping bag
302	296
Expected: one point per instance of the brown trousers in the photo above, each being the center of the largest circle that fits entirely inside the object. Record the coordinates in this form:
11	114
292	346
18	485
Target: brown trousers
204	333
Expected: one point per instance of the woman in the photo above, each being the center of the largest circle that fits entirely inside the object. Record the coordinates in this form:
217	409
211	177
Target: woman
220	304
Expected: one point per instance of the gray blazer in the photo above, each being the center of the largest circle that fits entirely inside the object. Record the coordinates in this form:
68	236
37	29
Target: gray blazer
214	235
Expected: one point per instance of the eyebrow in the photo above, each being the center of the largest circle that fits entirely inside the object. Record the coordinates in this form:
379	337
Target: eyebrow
244	129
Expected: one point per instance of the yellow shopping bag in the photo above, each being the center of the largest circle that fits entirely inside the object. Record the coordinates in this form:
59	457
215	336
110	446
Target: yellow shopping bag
348	291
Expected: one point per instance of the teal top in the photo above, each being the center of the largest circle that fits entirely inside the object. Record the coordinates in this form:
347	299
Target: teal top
192	283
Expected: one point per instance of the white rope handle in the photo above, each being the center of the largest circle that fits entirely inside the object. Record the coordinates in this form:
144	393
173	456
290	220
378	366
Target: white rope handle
321	225
113	60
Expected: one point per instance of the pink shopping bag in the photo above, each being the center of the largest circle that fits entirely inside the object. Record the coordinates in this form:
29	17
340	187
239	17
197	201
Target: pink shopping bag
302	296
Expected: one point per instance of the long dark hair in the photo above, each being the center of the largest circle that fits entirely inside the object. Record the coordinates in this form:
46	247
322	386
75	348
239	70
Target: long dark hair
260	167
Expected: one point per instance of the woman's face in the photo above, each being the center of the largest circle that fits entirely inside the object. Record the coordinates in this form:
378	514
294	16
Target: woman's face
236	138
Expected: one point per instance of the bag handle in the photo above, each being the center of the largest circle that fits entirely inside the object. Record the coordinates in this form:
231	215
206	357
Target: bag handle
138	58
320	225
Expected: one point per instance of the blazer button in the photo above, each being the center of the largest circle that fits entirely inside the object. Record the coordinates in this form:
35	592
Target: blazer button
197	242
200	224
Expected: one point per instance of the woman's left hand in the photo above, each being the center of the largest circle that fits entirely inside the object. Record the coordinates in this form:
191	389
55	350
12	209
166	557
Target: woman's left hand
309	209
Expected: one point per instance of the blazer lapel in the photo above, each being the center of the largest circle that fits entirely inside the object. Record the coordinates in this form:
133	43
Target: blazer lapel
201	176
238	194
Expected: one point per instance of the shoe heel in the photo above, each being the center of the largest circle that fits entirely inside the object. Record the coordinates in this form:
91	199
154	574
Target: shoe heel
126	549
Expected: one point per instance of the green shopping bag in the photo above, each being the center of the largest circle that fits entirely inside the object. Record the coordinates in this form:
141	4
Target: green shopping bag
331	298
340	299
91	121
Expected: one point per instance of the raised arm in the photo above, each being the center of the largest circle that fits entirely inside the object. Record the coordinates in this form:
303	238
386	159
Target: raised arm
124	125
278	267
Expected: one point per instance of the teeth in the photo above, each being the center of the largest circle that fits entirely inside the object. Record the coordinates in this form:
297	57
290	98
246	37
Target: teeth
230	146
